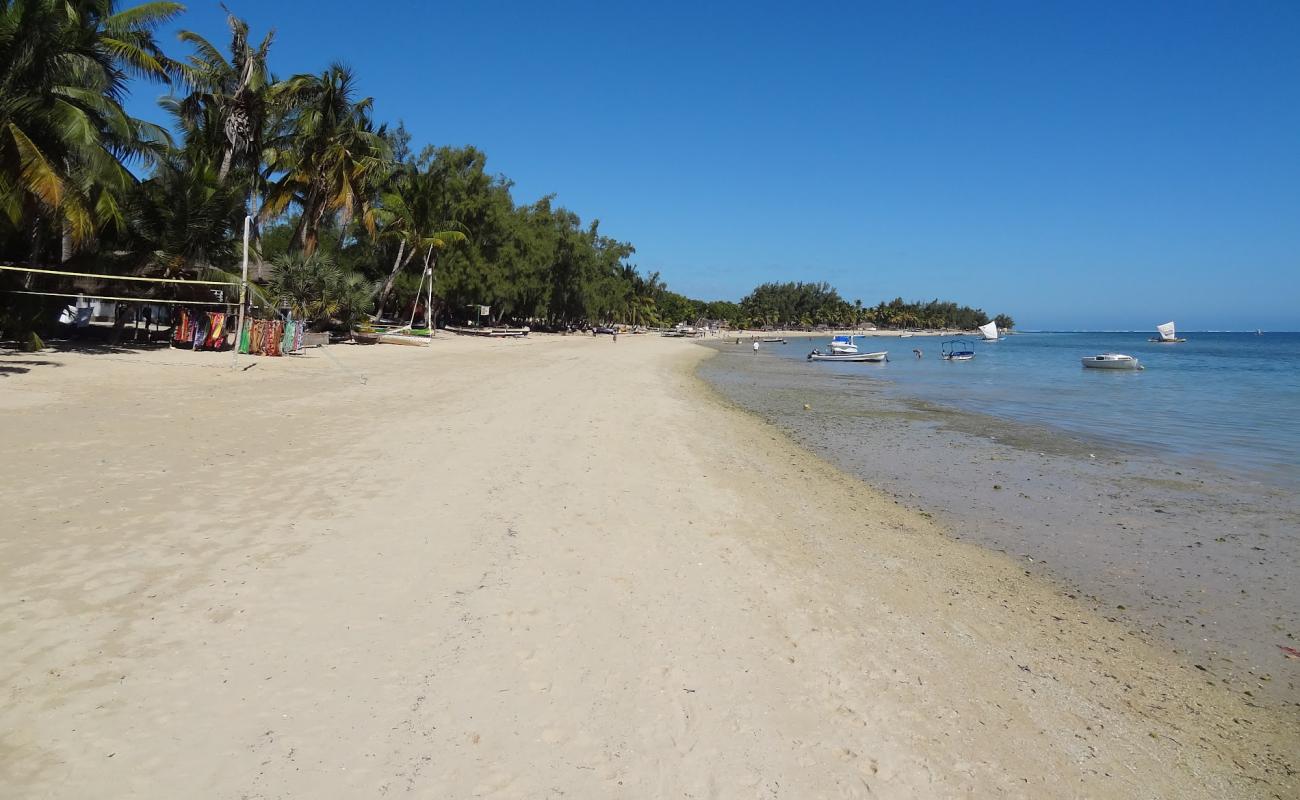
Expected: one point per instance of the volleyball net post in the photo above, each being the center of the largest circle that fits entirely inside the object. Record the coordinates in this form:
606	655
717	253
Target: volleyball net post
243	293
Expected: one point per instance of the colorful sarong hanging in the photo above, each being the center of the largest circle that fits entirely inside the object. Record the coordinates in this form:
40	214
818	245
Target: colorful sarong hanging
200	330
181	330
216	337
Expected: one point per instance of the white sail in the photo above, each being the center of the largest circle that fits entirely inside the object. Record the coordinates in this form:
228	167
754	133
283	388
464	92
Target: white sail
1167	331
990	331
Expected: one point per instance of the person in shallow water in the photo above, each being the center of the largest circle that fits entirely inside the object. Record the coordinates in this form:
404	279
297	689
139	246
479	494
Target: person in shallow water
755	347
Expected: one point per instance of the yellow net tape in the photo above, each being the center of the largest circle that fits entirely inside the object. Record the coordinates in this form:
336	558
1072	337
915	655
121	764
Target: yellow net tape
116	277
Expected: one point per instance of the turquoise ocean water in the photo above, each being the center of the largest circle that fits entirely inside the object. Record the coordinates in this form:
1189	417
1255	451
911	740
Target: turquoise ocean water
1227	399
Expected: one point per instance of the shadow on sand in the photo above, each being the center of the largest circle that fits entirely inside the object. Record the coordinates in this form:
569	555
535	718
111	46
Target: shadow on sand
14	360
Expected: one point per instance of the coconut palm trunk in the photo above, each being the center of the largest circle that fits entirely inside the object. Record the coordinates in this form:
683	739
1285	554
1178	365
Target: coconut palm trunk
398	265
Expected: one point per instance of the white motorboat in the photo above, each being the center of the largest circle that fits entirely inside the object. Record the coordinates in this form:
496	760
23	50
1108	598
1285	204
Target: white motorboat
844	345
989	332
1112	361
956	350
818	355
1167	334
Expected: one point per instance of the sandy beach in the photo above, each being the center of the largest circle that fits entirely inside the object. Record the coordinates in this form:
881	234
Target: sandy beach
552	567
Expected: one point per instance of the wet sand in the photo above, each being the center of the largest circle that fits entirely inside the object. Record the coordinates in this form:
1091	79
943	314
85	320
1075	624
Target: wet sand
552	567
1204	562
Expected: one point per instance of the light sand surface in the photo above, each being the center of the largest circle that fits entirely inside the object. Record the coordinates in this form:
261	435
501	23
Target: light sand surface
556	567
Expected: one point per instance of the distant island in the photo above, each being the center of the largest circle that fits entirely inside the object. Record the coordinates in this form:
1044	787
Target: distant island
796	305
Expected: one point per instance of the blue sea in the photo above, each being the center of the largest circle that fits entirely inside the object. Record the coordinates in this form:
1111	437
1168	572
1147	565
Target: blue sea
1231	399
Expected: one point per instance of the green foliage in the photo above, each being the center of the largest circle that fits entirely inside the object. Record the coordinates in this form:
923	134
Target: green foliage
63	131
183	219
796	304
317	290
331	158
932	314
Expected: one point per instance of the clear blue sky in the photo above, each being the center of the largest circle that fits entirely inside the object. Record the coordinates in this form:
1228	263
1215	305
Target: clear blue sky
1077	165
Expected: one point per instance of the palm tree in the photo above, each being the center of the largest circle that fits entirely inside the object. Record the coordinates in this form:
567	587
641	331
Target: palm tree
183	220
332	159
411	213
226	96
64	66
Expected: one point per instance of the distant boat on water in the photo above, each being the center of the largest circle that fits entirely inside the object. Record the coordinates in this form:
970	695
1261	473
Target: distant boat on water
1167	334
956	350
818	355
989	332
844	345
1112	361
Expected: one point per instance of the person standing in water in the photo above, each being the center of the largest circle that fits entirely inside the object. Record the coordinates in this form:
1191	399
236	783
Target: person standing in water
755	347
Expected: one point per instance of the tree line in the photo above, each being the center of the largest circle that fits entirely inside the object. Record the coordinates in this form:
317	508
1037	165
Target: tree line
345	214
805	305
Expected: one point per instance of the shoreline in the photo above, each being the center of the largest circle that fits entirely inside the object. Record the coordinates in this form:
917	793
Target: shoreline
1198	561
499	567
748	335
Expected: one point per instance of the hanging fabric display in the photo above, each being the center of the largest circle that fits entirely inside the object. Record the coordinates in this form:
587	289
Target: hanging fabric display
216	338
201	323
182	331
266	337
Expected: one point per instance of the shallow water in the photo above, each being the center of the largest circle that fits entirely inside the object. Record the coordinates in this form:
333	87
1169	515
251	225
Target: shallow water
1186	525
1232	399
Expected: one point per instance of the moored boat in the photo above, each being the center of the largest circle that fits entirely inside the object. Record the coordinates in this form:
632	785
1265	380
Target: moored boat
844	345
1112	361
877	357
956	350
1167	334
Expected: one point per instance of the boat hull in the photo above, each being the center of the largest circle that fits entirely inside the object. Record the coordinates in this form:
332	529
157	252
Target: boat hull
883	355
1129	364
499	333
